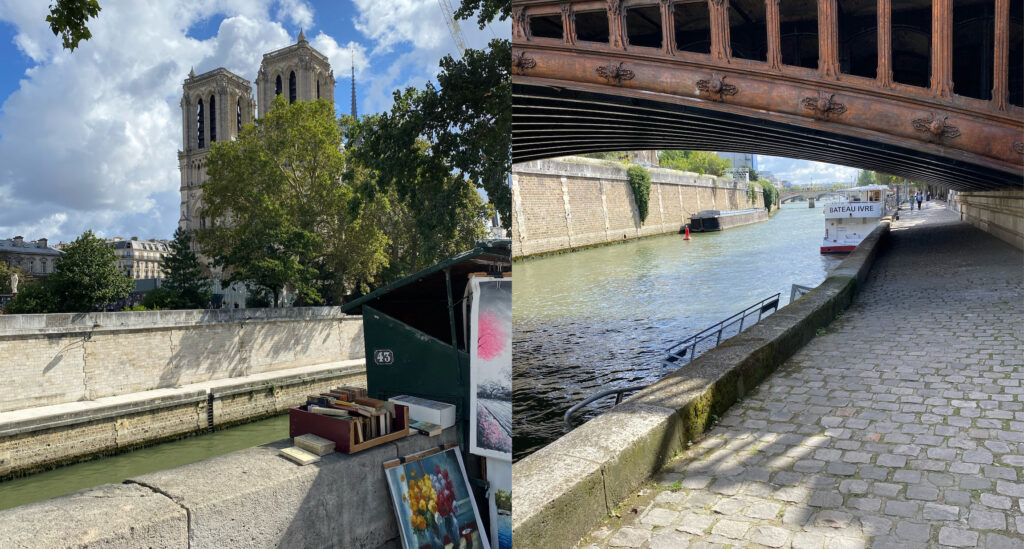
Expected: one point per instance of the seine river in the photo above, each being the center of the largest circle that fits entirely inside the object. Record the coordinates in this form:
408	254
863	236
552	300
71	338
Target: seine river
114	469
601	318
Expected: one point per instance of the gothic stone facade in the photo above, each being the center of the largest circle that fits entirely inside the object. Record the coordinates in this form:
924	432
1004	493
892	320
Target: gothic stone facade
216	104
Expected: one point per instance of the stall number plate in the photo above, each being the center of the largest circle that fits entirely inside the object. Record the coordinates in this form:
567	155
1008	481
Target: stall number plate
383	357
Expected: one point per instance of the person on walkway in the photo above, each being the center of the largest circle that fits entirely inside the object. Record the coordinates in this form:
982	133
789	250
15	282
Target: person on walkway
919	198
928	198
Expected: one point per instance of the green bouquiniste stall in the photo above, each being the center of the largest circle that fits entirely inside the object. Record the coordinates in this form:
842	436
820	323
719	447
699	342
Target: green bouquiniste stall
415	332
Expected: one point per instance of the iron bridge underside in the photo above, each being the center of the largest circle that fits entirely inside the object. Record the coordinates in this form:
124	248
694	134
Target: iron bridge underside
551	121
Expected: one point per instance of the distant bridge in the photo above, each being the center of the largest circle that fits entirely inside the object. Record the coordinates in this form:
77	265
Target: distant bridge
862	84
804	195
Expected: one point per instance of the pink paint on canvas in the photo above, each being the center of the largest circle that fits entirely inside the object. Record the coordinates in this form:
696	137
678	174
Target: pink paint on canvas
490	341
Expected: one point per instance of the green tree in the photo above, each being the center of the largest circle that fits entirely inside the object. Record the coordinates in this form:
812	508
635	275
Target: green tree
184	275
866	177
86	277
675	160
34	298
283	216
640	181
68	19
5	277
489	9
702	162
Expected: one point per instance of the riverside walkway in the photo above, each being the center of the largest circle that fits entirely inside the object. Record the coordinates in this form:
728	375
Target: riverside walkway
901	426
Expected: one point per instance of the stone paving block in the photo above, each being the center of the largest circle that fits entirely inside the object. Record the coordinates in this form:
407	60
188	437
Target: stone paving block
957	537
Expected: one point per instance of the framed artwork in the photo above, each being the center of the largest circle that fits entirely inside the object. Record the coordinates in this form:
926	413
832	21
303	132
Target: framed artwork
490	368
433	503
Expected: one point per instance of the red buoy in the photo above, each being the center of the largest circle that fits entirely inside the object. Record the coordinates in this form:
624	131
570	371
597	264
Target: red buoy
687	237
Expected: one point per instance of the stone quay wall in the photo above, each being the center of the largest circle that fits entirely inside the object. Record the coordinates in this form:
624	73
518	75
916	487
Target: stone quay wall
249	498
998	213
570	203
58	358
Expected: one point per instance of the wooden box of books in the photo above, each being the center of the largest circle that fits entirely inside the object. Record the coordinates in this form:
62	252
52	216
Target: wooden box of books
351	426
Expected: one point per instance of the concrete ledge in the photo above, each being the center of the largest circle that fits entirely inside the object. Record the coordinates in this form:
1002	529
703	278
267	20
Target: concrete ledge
250	498
110	516
564	489
77	431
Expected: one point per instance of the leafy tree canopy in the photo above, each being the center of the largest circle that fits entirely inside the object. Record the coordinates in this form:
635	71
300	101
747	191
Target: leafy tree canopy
282	215
68	20
489	9
866	177
186	286
86	278
702	162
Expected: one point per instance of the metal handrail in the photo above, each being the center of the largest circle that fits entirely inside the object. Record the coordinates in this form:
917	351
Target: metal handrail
598	396
762	307
686	350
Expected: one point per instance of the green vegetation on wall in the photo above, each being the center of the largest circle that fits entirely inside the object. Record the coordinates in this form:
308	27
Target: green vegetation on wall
701	162
640	182
770	194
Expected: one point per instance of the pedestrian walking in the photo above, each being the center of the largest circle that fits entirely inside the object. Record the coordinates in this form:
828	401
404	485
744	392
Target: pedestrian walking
919	198
928	198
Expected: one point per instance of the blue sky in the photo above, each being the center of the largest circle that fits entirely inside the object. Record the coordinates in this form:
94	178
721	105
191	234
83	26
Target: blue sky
89	139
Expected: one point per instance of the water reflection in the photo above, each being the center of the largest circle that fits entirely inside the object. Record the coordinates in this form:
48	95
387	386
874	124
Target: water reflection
601	318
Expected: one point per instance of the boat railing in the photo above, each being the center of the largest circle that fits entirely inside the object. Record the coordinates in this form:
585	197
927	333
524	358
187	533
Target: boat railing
686	350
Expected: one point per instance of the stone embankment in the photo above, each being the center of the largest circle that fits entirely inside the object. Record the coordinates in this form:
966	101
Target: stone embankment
562	491
250	498
73	386
571	203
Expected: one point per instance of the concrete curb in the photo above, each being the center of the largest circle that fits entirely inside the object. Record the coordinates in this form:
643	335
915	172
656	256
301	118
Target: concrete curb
563	490
249	498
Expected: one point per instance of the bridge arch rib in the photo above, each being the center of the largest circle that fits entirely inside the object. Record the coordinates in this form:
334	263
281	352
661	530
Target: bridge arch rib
572	96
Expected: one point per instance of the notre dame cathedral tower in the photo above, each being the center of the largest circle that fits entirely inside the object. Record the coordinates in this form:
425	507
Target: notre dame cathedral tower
216	104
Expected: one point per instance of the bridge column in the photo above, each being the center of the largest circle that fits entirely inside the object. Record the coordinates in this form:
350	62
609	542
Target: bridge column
1000	88
774	34
720	48
942	48
668	37
568	24
616	25
828	39
884	74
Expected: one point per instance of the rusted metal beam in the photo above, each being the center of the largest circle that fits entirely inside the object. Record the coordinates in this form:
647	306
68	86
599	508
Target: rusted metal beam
774	34
721	50
828	39
1001	56
883	73
942	48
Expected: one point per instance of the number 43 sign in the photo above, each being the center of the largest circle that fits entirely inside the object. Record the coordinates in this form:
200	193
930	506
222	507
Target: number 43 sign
383	357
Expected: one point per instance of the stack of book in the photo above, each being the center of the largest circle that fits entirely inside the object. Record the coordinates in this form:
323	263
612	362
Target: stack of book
351	419
370	417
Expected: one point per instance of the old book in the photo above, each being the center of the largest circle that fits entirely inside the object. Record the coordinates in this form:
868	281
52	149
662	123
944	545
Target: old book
427	428
336	412
298	455
314	444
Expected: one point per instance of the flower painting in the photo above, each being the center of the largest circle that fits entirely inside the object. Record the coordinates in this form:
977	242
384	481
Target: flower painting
433	503
490	362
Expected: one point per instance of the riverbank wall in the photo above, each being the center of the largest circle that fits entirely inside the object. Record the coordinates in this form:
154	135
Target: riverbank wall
573	202
998	213
563	490
249	498
78	386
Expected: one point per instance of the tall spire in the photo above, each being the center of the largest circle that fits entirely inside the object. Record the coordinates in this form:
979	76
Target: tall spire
355	113
302	36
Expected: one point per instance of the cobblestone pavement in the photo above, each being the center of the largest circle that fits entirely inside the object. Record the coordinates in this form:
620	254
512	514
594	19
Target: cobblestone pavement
901	426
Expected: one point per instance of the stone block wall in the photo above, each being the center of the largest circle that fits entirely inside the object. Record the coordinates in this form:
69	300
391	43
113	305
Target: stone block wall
569	203
999	213
57	358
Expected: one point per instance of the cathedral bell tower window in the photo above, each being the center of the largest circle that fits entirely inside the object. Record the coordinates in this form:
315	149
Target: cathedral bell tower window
199	116
213	119
291	87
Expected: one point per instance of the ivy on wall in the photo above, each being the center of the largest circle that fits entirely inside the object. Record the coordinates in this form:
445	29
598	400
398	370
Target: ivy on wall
640	181
770	193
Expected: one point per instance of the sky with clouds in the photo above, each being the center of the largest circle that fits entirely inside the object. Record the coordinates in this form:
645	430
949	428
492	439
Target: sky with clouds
806	172
89	139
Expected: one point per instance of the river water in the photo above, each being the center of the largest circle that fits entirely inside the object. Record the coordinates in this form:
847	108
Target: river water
114	469
601	318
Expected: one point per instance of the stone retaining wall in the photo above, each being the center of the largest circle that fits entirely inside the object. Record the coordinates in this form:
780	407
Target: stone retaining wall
563	490
565	204
48	436
998	213
250	498
56	358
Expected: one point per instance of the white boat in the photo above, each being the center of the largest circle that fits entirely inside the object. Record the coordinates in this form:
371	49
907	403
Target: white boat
850	220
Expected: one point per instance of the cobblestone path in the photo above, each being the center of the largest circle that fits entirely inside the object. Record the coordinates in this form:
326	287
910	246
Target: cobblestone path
901	426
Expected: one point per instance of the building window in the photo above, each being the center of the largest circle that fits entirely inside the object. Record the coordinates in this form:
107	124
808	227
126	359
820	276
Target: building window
238	114
199	117
277	87
213	119
291	87
318	89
